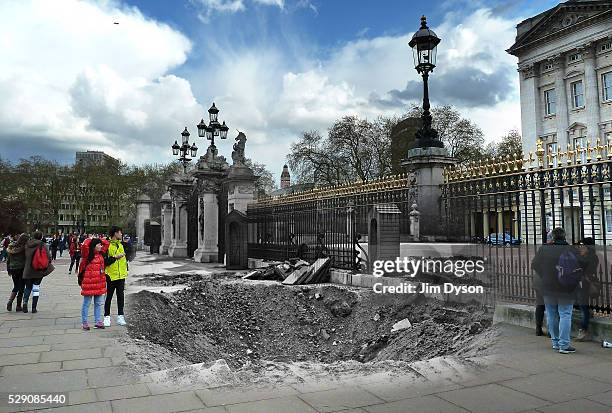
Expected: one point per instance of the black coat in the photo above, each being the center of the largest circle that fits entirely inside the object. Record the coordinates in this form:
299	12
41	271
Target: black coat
545	265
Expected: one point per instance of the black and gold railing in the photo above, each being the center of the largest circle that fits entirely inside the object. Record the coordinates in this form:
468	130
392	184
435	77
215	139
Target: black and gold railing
387	183
538	160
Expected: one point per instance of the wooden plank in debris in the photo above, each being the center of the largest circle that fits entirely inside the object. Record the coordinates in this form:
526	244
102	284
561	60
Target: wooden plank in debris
306	276
294	277
319	268
253	275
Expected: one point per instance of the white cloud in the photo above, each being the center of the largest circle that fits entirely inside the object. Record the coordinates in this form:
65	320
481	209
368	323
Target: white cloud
76	79
68	73
275	101
208	7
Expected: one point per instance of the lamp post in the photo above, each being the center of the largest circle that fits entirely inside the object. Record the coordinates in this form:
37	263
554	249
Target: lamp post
214	128
184	149
424	45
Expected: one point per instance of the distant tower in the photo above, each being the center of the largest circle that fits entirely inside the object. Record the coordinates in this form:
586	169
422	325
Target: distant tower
285	178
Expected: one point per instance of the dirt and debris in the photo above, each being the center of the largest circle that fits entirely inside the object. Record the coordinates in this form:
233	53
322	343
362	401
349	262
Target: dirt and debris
249	323
294	272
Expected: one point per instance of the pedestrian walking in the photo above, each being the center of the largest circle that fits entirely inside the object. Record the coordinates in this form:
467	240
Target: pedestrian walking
54	247
537	286
37	265
74	249
92	280
589	263
62	244
559	269
14	264
3	247
116	272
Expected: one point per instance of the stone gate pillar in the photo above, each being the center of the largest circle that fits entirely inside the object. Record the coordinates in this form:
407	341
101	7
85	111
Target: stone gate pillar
210	172
208	231
180	188
425	167
166	223
143	212
240	188
383	233
178	246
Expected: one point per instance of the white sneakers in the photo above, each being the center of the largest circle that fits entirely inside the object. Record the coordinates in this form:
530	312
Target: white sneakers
120	321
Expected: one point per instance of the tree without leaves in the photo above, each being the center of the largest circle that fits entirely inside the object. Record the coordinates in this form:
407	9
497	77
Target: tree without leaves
353	149
462	138
265	182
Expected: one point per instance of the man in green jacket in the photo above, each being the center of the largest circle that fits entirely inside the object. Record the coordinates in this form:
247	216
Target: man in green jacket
116	270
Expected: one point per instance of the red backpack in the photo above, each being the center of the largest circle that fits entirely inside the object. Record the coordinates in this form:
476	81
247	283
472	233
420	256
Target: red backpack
40	260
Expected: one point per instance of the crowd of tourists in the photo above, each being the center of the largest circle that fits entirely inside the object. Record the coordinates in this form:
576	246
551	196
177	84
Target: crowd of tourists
565	276
100	262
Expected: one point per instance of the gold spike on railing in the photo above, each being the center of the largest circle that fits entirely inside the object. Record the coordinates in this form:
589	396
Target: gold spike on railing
540	152
599	149
589	151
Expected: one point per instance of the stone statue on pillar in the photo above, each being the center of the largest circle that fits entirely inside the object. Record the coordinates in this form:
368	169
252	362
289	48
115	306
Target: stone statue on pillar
238	152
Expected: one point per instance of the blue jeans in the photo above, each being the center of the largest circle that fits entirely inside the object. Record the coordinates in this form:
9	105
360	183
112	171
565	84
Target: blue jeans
98	305
559	319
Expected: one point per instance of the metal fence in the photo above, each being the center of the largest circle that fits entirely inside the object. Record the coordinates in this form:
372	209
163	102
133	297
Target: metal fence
510	205
328	221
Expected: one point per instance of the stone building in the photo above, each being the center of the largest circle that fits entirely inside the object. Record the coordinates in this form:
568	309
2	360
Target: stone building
565	68
285	181
565	65
89	158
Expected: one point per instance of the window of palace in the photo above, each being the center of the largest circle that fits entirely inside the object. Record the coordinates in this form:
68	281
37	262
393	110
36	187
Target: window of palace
609	220
577	143
550	102
606	82
577	94
574	57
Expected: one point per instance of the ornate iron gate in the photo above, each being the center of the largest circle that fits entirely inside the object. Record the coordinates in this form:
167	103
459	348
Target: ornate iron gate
192	223
222	200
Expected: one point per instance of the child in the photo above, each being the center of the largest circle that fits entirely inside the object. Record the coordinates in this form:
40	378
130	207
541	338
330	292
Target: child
93	283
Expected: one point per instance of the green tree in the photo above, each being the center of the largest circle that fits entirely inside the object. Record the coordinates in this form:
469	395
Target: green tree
509	144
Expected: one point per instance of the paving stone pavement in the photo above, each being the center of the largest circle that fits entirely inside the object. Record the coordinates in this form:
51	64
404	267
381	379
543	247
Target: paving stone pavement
48	352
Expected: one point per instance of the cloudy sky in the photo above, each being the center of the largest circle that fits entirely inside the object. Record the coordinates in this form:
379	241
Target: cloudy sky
71	79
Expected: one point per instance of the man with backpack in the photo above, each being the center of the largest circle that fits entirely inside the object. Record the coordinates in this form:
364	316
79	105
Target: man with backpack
37	265
559	269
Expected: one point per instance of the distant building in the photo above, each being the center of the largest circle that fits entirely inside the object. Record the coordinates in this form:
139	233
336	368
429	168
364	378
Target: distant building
83	207
285	185
89	158
285	180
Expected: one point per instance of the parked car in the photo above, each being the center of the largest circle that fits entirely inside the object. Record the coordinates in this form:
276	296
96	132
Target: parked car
502	239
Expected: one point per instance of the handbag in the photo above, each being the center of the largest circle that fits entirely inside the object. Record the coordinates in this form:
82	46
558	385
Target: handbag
593	286
80	277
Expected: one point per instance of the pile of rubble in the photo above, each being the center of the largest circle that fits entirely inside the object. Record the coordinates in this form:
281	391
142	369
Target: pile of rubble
246	322
294	272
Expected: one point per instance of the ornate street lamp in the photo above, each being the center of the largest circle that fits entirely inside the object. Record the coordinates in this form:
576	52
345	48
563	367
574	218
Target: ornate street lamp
424	45
185	149
214	128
